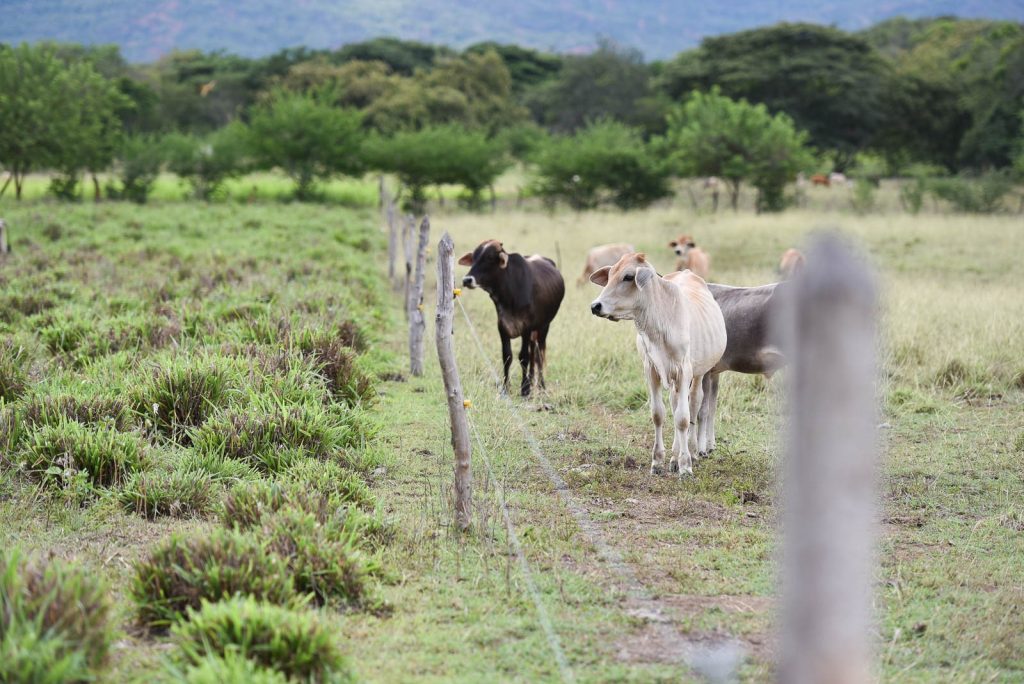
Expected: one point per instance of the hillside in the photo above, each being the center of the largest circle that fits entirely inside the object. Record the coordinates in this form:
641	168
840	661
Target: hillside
147	30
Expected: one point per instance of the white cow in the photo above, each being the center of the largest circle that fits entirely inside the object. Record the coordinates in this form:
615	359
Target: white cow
603	255
680	337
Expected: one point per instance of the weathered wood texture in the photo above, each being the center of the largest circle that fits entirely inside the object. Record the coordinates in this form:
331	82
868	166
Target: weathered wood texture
443	329
828	330
415	303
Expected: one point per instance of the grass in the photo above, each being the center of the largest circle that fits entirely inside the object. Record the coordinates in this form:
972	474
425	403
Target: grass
251	326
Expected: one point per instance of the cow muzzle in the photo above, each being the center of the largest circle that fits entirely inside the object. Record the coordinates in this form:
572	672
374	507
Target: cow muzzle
470	282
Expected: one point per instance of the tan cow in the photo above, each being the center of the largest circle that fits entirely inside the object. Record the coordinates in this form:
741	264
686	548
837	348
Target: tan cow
680	337
792	262
603	255
690	256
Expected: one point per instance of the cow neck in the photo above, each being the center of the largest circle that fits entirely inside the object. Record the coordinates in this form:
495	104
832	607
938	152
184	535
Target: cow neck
515	288
649	313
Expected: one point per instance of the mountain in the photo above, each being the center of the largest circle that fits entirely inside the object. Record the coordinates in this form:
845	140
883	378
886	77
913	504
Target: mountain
147	29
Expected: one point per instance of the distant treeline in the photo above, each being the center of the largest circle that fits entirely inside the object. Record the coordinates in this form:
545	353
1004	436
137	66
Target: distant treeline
945	93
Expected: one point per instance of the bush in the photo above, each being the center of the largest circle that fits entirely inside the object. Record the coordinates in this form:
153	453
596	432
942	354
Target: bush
293	643
54	621
138	166
14	363
977	195
176	494
64	187
207	162
863	200
324	559
231	668
912	194
606	161
272	437
180	394
335	361
181	572
56	454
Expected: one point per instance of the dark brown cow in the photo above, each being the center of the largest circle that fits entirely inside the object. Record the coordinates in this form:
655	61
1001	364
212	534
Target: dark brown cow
526	292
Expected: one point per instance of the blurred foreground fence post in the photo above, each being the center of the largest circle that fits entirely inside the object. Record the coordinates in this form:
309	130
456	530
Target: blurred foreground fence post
828	329
5	246
415	303
443	330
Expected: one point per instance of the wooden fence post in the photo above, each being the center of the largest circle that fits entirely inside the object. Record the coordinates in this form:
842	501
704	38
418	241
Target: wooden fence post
828	331
408	245
443	327
5	246
415	303
389	211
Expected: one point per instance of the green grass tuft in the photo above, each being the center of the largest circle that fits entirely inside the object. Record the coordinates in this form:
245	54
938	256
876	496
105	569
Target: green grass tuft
292	643
14	365
56	453
181	393
175	494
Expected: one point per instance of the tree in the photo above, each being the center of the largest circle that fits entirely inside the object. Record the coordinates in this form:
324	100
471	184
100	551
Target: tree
713	135
829	82
306	138
439	155
206	162
527	68
606	161
611	82
32	109
138	164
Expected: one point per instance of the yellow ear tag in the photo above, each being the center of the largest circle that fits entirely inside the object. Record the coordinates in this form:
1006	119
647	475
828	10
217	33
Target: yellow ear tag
466	403
458	291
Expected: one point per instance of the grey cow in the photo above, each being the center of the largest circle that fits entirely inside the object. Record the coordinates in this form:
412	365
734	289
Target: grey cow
749	347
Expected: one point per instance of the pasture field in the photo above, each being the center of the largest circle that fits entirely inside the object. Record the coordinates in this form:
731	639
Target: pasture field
104	299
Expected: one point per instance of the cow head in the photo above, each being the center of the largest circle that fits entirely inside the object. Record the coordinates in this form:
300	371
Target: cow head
682	244
623	285
487	263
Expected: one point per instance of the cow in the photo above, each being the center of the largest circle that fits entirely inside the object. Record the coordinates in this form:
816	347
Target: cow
681	336
750	347
603	255
792	262
820	179
690	256
836	178
526	292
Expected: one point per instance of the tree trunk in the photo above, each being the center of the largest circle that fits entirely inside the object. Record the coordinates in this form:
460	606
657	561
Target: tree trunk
95	188
415	303
10	177
19	179
828	333
734	198
443	331
494	199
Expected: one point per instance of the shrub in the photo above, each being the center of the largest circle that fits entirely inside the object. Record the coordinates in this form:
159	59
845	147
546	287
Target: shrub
335	361
139	165
324	559
55	453
14	364
912	194
293	643
176	494
54	621
52	410
606	161
231	668
183	571
272	437
978	195
863	200
180	394
207	162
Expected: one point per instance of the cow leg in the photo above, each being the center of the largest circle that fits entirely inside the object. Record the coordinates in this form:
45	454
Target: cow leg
696	391
526	363
712	404
702	417
506	356
681	415
677	439
542	354
657	416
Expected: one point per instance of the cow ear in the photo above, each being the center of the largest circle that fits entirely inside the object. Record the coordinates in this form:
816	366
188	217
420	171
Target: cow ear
643	276
466	259
600	276
503	257
673	243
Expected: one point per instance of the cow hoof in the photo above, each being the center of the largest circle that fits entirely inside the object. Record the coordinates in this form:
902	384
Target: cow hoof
656	470
685	473
673	467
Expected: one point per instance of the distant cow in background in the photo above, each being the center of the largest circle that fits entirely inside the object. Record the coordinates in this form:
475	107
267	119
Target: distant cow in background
526	292
791	263
603	255
836	178
690	256
820	179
